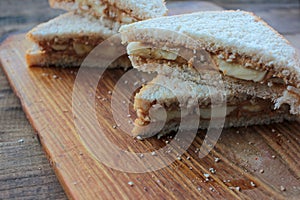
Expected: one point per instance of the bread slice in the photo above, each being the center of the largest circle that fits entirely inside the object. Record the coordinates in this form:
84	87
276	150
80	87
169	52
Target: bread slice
180	100
248	53
67	39
121	11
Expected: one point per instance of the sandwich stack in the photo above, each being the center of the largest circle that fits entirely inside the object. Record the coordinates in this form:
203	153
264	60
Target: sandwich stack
258	67
66	40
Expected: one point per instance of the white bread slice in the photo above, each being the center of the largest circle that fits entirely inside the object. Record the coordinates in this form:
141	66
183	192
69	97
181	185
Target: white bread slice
167	92
234	32
139	9
226	34
70	25
67	39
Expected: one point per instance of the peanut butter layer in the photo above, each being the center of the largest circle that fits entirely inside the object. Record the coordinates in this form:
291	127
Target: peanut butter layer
103	8
253	107
70	46
232	65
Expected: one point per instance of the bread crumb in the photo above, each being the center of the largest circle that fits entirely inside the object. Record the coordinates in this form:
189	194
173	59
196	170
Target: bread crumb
21	141
217	160
206	175
282	188
212	170
130	183
139	137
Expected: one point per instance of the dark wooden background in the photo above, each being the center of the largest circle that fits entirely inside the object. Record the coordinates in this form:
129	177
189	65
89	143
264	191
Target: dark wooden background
24	170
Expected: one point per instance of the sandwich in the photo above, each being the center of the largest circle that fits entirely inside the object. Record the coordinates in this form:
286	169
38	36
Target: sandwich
124	12
165	103
66	41
236	47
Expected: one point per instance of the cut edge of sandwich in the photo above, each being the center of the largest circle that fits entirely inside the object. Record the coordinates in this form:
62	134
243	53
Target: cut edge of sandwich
67	40
157	107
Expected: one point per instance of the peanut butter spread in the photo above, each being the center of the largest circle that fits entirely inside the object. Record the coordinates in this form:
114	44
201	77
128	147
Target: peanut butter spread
230	65
154	113
74	47
103	8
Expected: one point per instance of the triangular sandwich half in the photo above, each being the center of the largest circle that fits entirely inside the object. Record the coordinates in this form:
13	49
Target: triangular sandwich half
250	56
123	11
165	103
66	41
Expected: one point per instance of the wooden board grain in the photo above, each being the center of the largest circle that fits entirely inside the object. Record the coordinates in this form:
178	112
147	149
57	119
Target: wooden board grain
260	160
46	96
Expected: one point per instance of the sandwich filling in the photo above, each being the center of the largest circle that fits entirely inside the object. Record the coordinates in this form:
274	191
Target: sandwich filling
155	112
230	66
165	103
80	46
103	8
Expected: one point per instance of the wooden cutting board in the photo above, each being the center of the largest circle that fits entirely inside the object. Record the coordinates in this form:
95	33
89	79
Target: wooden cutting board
256	162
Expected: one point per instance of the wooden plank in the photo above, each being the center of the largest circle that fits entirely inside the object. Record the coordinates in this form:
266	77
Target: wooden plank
46	96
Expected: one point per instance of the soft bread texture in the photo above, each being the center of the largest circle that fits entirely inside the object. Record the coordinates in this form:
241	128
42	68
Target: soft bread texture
166	91
70	25
141	9
221	32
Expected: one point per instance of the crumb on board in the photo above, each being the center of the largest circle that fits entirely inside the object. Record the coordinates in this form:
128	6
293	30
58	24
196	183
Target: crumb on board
130	183
139	137
282	188
212	170
21	141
